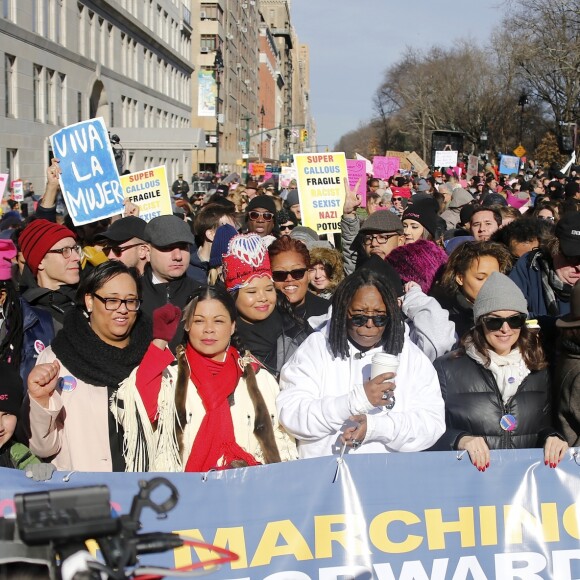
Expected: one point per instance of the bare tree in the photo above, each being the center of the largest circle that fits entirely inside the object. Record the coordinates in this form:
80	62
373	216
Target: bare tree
542	37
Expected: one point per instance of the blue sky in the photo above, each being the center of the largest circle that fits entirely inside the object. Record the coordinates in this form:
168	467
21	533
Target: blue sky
352	42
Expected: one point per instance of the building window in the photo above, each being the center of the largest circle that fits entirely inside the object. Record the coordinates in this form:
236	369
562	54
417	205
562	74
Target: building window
60	99
208	42
212	11
12	164
112	111
8	9
10	85
37	92
49	96
79	107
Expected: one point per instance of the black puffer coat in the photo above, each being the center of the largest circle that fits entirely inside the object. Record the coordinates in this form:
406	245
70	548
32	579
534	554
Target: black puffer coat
474	406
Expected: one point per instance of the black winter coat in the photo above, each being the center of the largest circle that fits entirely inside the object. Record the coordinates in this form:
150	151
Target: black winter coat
474	406
567	380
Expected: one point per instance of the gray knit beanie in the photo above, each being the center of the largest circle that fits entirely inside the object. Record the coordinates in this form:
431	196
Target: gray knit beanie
383	221
499	293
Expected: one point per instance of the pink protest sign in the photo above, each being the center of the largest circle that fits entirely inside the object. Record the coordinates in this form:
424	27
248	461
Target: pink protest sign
357	174
385	167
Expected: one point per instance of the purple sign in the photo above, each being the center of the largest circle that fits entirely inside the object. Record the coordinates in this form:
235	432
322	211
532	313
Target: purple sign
356	169
385	167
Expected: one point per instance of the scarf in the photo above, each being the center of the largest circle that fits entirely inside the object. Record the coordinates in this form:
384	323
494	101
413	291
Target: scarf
261	338
509	371
552	286
215	445
99	364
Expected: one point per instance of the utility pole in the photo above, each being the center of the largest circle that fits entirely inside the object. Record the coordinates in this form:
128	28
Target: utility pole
219	67
262	113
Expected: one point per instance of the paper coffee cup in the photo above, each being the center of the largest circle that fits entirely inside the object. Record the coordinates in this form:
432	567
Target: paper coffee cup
383	363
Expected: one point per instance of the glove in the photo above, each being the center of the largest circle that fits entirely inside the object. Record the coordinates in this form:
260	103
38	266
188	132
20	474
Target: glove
165	321
40	471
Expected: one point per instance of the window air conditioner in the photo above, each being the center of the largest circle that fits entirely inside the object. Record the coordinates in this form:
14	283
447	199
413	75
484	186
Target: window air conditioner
204	50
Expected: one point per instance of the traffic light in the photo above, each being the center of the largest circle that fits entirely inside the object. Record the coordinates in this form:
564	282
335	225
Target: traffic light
304	135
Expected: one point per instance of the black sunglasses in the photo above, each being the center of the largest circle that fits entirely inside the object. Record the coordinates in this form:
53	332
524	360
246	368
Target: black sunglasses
282	275
494	323
288	227
254	215
379	320
118	250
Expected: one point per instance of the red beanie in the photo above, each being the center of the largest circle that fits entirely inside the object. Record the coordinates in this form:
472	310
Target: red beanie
38	237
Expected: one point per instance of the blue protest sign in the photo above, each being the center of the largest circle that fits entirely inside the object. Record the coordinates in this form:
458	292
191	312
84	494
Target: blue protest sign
89	180
509	164
403	516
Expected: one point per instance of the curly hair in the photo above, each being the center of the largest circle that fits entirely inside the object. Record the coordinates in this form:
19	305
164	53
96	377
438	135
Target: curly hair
528	342
289	244
394	333
464	255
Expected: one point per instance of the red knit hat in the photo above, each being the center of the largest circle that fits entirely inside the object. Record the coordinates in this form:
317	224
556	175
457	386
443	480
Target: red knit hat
247	258
38	237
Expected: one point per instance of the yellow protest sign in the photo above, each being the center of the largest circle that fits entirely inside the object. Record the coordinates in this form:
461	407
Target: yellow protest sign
321	178
149	191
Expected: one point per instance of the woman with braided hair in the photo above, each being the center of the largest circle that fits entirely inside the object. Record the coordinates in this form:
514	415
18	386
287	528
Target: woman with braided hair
327	397
212	408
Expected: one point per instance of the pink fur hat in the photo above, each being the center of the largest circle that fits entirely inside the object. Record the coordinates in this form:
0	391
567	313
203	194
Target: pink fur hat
419	262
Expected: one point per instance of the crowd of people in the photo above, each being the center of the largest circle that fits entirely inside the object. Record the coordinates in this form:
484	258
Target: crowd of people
230	335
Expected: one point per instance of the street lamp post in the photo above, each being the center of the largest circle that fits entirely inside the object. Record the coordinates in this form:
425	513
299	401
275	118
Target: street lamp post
218	69
262	113
522	102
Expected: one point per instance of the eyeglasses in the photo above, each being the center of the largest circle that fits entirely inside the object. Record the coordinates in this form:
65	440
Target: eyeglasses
548	218
132	304
379	320
288	227
66	252
282	275
494	323
254	215
378	238
118	250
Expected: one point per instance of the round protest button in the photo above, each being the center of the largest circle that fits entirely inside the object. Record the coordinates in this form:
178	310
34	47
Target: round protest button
39	346
67	384
508	423
511	380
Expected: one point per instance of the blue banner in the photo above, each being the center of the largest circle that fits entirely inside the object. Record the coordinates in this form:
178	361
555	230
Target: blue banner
419	516
89	180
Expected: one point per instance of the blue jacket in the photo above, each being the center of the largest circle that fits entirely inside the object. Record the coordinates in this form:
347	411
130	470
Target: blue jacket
38	334
527	276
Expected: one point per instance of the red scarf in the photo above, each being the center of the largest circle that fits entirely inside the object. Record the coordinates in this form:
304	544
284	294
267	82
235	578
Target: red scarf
215	382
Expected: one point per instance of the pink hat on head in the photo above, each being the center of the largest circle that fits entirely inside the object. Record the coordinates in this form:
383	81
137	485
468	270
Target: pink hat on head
7	254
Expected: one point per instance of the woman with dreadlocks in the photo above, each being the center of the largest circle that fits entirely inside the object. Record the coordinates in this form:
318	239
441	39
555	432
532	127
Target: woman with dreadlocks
326	389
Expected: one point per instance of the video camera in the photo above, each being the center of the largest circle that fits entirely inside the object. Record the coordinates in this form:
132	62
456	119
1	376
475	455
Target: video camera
64	519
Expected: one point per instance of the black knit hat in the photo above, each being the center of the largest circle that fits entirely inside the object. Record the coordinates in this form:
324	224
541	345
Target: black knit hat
11	389
422	212
263	201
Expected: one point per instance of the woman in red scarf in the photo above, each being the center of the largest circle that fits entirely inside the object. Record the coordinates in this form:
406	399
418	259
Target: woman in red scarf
214	409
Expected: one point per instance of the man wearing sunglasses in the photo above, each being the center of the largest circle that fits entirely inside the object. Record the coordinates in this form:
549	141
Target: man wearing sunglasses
261	216
124	241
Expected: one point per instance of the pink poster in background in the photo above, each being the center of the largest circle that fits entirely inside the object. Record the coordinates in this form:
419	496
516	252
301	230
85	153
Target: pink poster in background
356	169
385	167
